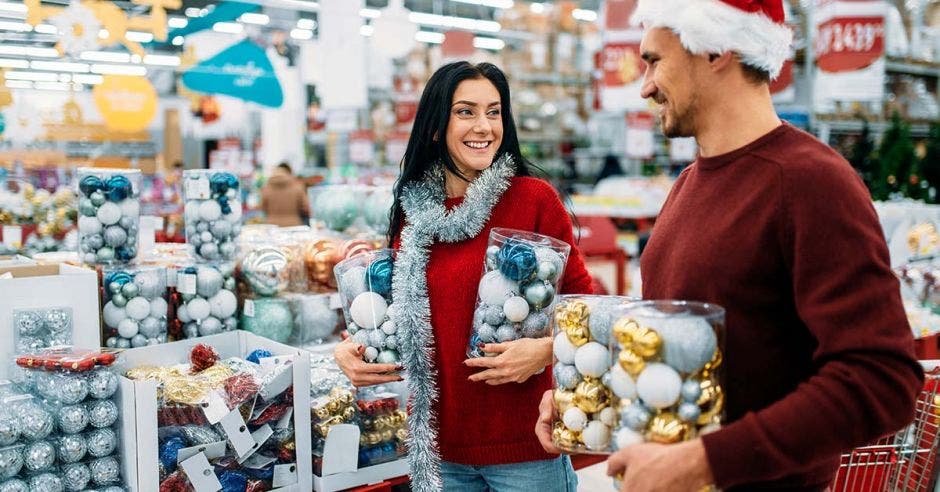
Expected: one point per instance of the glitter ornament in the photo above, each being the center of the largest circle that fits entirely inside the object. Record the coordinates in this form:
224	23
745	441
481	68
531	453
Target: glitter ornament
28	322
635	417
626	437
495	288
102	413
353	282
9	428
29	345
272	320
138	340
58	320
169	452
101	442
150	327
75	476
14	485
39	455
575	419
566	376
102	384
45	482
105	470
210	326
128	327
35	422
11	461
486	333
257	354
505	333
71	449
208	281
223	304
516	260
493	315
202	357
72	419
689	342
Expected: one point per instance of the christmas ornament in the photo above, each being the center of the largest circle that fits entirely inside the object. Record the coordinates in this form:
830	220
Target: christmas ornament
566	376
659	385
102	384
105	471
45	482
564	437
9	428
101	442
596	436
11	461
102	413
379	276
575	419
266	271
58	319
643	341
272	319
75	476
563	349
72	419
71	449
667	428
688	343
495	288
635	417
337	210
368	310
563	400
39	455
516	260
608	416
626	437
516	309
14	485
631	362
34	421
592	359
591	395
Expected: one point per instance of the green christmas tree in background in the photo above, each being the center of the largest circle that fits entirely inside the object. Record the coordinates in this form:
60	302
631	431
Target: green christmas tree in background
930	164
897	169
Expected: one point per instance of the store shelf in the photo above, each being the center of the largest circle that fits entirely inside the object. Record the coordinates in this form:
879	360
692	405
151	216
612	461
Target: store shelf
912	67
554	79
918	129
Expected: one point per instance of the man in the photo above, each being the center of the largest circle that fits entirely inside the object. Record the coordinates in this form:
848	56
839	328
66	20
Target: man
284	198
775	227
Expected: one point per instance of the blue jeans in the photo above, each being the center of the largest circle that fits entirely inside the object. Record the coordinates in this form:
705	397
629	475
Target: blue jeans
530	476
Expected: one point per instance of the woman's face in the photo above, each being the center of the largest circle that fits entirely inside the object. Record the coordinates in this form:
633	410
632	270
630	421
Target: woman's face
475	128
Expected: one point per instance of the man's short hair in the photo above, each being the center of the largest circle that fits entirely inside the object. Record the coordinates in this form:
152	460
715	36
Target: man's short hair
285	166
755	75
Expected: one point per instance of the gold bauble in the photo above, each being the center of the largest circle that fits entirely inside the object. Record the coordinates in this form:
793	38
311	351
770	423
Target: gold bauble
321	412
349	413
564	400
643	340
572	318
387	435
401	434
713	364
578	335
591	395
564	437
631	362
667	428
712	402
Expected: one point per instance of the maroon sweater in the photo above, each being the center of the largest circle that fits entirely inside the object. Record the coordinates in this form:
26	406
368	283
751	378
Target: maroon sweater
818	353
479	424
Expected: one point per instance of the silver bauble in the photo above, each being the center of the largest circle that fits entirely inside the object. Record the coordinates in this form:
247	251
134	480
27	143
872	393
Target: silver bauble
72	419
70	449
102	413
102	384
101	442
39	455
105	471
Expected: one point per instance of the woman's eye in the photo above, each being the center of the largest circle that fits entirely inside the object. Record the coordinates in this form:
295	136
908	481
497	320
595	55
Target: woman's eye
464	112
494	112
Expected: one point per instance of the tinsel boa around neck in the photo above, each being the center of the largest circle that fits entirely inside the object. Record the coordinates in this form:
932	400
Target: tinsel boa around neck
429	221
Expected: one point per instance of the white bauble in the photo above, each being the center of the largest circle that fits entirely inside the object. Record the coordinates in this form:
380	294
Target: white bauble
158	307
236	214
608	416
113	315
689	342
127	328
368	310
592	359
563	349
516	309
223	304
130	207
109	213
627	437
191	212
495	288
389	325
198	309
183	314
621	383
208	281
370	354
659	385
210	210
596	436
575	419
89	225
138	308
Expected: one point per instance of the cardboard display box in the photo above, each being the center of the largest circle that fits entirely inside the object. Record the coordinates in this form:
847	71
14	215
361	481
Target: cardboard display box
139	402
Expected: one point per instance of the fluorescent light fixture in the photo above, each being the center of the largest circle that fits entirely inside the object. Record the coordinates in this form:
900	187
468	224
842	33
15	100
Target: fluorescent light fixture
135	58
65	77
46	29
139	37
13	7
488	43
52	86
429	37
584	15
59	66
177	22
43	52
13	63
228	27
255	18
537	8
89	79
162	60
455	22
19	84
306	24
370	13
40	76
178	40
15	26
103	34
496	4
301	34
13	15
193	12
105	56
118	69
366	30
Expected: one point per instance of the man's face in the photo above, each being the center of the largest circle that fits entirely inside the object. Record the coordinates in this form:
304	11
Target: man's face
670	80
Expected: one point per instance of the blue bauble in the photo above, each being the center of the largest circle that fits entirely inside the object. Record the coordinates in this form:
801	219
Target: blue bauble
233	481
379	276
117	188
636	417
566	376
517	260
272	320
169	452
90	184
118	277
218	183
691	390
257	354
689	412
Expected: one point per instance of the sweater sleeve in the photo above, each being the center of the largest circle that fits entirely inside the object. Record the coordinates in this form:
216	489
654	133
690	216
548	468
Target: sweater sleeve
867	377
554	221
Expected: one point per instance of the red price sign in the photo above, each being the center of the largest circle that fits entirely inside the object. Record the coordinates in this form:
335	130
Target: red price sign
621	64
846	44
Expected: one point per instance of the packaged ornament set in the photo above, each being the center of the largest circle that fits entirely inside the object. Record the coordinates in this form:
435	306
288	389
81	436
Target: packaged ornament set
59	423
204	300
135	306
108	215
346	207
522	273
633	372
212	213
36	329
365	288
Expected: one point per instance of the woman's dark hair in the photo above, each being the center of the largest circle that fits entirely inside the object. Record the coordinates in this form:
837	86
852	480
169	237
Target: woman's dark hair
424	151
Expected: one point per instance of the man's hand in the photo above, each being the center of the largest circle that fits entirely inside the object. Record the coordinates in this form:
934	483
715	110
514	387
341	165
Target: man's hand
517	361
662	467
543	427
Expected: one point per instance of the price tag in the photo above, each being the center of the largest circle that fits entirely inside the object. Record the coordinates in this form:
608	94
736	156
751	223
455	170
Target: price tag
213	450
249	308
198	188
200	474
186	283
12	236
284	475
214	408
237	433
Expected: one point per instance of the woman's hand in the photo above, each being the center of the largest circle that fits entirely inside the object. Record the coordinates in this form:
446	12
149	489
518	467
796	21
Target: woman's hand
517	361
348	355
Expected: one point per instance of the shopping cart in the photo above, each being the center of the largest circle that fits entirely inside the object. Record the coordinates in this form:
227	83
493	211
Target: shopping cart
904	461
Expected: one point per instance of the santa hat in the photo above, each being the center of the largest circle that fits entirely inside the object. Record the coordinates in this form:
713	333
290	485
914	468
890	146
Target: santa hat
754	29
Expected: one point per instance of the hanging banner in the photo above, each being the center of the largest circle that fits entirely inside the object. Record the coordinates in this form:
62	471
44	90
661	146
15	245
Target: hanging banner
640	139
242	70
849	52
127	103
405	95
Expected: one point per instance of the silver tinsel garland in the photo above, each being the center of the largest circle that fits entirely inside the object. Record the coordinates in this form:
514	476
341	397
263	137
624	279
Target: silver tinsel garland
428	221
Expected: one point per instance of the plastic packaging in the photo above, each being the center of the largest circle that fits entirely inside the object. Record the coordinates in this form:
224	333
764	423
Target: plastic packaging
365	288
212	214
135	307
108	215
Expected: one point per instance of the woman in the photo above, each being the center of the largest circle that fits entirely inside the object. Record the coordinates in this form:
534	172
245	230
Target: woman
462	175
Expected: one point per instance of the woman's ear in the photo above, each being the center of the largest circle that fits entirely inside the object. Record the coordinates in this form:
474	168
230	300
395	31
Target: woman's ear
434	138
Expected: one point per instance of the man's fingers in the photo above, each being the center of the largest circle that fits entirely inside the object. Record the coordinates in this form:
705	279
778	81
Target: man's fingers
617	462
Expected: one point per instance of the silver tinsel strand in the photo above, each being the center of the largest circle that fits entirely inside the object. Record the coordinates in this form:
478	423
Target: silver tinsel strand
429	221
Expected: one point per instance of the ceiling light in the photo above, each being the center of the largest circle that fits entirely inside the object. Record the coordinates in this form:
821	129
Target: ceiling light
537	8
15	26
13	15
370	13
19	84
301	34
135	58
584	15
429	37
177	22
59	66
162	60
119	69
86	78
488	43
43	52
498	4
455	22
306	24
103	34
41	76
178	40
255	18
13	7
139	37
65	77
105	56
13	63
228	27
52	86
193	12
46	29
366	30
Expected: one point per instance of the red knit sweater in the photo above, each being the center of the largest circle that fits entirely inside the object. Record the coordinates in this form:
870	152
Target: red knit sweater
819	354
479	424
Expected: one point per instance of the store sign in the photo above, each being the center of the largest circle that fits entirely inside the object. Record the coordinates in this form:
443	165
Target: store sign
127	103
243	71
621	64
457	45
620	71
640	139
361	147
846	44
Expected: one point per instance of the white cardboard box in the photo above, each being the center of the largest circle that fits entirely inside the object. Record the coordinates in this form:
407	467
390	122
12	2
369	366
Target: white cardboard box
15	260
141	404
363	476
341	461
49	286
